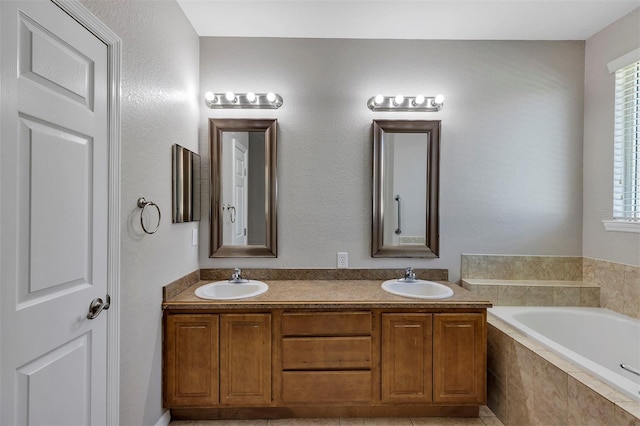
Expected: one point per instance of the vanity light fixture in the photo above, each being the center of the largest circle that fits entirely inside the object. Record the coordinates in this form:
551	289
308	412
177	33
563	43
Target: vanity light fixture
243	100
406	103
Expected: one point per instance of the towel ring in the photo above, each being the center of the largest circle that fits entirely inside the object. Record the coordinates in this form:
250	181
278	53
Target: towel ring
143	204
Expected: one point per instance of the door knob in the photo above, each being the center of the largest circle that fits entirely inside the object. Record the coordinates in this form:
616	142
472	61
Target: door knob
98	305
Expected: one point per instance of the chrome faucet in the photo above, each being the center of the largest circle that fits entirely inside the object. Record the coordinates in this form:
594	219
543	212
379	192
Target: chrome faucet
409	275
236	277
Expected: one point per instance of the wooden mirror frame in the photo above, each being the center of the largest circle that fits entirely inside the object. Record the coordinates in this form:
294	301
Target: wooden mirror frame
432	130
216	128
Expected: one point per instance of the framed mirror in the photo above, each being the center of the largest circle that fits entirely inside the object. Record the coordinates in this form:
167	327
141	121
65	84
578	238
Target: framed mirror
243	187
185	204
406	168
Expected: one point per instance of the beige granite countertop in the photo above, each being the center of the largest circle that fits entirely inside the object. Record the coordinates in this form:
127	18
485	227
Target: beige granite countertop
325	294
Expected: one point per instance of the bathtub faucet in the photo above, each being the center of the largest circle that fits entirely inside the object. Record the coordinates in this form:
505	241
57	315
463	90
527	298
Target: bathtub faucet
630	369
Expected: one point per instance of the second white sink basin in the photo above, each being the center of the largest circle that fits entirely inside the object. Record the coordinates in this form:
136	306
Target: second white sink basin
418	289
225	290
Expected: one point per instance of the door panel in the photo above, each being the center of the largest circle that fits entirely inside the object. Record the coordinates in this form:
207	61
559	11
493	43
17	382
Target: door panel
459	358
44	382
49	61
406	358
54	217
191	360
60	174
245	359
240	193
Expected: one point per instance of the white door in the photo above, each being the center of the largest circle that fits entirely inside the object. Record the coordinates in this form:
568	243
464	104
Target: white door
235	147
54	218
240	193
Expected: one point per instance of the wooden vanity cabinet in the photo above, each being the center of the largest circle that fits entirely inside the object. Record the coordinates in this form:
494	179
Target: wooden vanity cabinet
326	358
389	361
406	358
191	360
217	360
438	358
459	358
245	359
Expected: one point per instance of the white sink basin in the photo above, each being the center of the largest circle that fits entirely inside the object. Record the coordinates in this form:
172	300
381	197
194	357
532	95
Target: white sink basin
418	289
225	290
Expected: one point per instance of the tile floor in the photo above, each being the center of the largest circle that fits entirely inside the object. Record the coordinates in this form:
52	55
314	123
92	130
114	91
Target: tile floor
487	418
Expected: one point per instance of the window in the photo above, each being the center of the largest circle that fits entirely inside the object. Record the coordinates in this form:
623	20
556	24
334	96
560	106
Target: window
626	166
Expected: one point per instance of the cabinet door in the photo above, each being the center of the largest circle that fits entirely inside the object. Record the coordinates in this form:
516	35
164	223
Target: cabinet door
459	358
406	358
245	359
191	361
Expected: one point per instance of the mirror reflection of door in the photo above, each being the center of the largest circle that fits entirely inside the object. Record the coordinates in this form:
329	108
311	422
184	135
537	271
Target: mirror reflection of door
243	189
235	151
405	167
244	181
406	176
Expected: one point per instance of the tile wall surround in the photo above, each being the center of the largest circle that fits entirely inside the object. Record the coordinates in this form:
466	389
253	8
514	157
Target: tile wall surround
619	285
529	385
553	281
505	267
534	293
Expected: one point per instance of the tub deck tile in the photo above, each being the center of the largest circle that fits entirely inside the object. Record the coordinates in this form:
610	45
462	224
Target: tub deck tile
632	408
550	390
587	407
603	389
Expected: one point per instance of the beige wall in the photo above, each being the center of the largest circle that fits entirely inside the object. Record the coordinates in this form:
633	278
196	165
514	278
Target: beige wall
511	161
612	42
159	108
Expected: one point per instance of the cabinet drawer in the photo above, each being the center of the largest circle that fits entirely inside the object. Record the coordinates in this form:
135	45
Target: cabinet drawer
326	386
326	324
326	353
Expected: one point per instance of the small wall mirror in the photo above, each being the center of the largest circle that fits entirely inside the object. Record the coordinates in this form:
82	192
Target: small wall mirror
406	160
186	185
243	188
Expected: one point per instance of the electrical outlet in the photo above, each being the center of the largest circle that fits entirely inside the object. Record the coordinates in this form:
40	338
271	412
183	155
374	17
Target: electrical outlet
194	237
343	260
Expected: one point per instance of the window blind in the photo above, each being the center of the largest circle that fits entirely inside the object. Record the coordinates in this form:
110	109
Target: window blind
626	166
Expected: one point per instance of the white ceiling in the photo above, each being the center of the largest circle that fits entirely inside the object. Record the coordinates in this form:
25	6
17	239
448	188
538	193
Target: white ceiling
406	19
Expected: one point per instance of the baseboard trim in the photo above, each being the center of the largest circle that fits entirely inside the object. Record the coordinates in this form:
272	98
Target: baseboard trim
230	413
165	419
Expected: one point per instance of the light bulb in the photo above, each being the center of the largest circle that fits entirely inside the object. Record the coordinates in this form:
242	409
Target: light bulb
209	96
251	97
398	100
419	100
378	99
271	97
439	100
230	96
